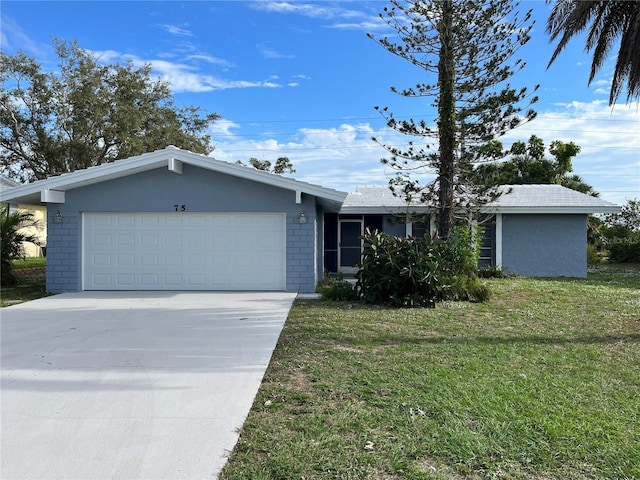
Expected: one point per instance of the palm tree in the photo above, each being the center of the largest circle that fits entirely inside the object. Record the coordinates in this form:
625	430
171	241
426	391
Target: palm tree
11	238
607	20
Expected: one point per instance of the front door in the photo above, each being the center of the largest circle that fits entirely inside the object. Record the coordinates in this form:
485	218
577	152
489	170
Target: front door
349	245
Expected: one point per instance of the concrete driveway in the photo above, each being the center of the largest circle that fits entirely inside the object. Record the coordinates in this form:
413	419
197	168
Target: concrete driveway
131	385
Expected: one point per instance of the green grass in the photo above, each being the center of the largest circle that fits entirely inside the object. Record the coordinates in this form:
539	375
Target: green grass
29	287
542	382
31	262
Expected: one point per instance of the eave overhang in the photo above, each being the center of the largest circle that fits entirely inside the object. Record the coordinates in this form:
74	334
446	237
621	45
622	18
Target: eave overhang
173	159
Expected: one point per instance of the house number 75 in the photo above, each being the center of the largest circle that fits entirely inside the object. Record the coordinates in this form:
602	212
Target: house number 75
180	208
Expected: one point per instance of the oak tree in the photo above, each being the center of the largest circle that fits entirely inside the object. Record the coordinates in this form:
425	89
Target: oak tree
87	113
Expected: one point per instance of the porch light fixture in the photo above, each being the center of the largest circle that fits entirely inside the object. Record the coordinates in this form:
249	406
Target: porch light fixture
303	218
57	217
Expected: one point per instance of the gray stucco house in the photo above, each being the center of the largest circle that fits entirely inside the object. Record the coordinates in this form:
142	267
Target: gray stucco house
530	230
176	220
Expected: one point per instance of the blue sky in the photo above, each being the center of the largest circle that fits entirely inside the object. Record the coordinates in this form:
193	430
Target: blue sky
301	79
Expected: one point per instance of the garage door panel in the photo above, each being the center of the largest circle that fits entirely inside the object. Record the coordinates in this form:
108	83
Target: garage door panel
183	251
121	220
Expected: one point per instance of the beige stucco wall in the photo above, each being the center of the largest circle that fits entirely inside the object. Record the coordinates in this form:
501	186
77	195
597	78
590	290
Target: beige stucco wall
40	214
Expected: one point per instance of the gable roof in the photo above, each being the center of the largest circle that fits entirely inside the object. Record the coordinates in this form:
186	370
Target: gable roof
171	158
515	199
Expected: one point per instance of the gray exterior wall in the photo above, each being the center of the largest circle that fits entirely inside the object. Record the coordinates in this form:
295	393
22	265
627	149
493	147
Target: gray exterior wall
545	245
199	190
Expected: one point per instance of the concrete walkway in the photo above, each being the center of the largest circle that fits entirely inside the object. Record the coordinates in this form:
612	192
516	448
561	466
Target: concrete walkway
131	385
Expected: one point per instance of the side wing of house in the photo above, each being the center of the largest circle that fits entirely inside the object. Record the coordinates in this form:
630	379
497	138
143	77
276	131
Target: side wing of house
531	230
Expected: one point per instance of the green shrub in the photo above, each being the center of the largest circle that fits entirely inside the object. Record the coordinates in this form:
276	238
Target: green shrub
491	271
468	288
408	272
336	289
624	251
460	255
593	256
400	272
461	252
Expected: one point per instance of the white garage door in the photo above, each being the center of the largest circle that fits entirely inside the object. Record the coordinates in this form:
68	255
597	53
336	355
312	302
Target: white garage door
184	251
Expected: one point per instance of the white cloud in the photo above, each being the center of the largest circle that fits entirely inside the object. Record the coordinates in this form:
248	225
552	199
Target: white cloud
268	52
176	30
185	78
340	157
210	59
306	9
367	25
222	128
344	18
13	37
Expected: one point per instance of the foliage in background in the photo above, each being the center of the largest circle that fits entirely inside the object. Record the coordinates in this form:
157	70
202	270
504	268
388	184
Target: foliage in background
282	165
593	256
411	272
624	251
610	24
528	165
87	113
621	233
466	50
11	239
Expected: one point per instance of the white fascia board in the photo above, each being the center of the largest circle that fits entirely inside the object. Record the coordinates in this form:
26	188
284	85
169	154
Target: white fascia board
79	178
382	210
174	165
52	196
550	210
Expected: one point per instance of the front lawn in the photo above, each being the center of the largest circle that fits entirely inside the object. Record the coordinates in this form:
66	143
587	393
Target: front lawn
542	382
30	273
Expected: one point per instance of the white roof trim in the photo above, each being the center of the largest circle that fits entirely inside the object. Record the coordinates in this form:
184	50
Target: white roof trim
516	199
382	210
169	157
551	209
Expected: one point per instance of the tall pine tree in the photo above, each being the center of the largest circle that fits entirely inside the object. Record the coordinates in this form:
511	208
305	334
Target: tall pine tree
466	49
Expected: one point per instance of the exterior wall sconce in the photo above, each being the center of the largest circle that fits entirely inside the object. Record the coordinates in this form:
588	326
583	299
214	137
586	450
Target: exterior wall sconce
303	218
57	217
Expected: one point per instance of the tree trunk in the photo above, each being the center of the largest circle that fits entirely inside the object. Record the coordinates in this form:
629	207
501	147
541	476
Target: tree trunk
447	122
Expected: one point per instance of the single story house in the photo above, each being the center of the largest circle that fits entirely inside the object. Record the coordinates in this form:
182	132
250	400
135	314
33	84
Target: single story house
529	230
176	220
